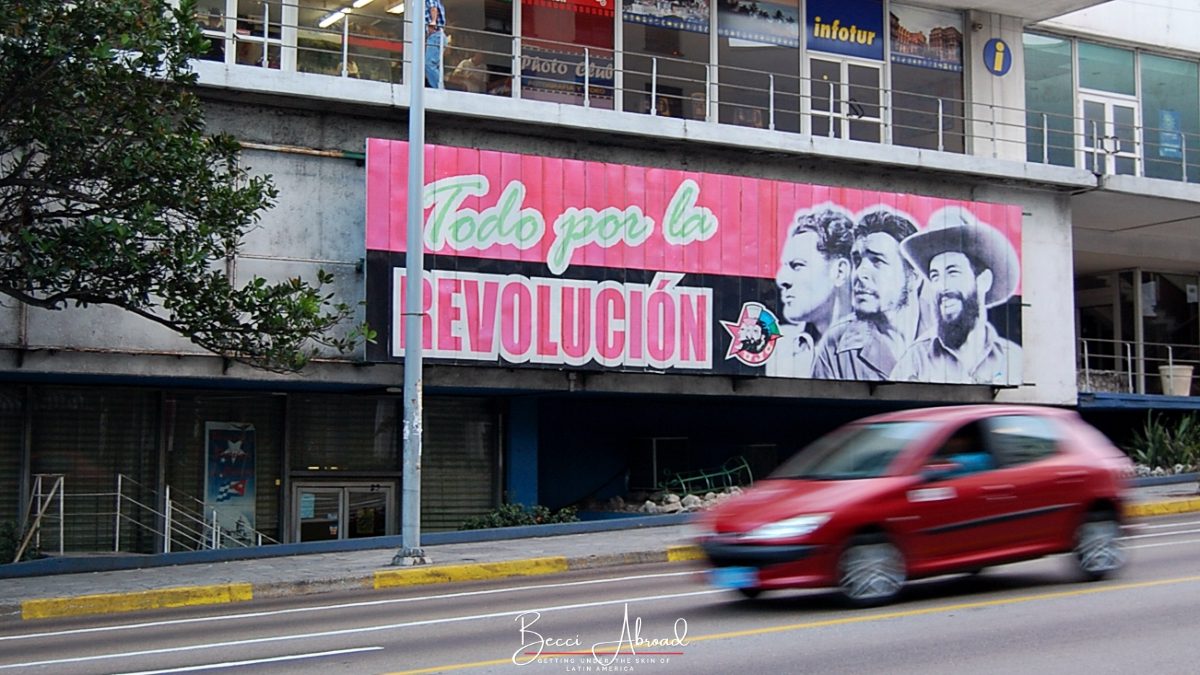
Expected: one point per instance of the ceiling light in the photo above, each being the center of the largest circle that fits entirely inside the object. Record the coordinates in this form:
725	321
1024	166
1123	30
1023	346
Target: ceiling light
397	8
333	18
359	4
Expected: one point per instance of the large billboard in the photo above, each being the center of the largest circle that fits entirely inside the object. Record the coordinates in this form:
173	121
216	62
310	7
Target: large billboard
567	263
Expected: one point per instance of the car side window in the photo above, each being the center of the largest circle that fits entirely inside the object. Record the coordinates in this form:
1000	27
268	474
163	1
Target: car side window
967	449
1021	439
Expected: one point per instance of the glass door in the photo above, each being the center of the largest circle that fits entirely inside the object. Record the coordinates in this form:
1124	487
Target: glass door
1108	133
845	99
325	511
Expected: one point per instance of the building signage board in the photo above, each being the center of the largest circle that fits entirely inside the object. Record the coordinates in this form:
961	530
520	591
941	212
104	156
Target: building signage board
229	486
847	28
760	23
926	38
549	262
688	15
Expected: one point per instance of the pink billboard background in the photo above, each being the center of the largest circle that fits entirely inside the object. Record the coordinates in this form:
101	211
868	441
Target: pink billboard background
751	214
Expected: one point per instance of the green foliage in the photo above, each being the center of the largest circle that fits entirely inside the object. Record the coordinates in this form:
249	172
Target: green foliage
111	192
509	515
1160	444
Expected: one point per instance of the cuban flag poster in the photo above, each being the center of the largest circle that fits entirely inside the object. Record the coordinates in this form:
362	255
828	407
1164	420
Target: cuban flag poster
229	478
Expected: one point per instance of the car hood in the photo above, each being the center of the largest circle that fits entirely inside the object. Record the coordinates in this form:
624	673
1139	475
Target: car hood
773	500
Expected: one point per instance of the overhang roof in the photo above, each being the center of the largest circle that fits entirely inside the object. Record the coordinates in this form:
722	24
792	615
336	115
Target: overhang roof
1029	10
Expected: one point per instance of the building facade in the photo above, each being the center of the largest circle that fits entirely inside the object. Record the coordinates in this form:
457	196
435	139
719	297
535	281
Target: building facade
658	236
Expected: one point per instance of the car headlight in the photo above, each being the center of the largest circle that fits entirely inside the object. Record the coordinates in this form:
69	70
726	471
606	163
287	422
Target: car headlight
789	528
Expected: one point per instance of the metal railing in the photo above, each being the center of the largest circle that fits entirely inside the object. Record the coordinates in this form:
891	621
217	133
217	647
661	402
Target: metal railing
1124	366
187	523
369	46
41	510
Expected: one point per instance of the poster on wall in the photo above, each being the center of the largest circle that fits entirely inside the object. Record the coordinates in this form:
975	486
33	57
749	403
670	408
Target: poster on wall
762	23
558	75
229	478
847	28
689	15
926	38
547	262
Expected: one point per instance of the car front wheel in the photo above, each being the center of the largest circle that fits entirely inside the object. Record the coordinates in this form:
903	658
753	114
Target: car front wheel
871	571
1098	550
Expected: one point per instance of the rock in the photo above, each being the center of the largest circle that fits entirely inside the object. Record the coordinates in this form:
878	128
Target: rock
1179	468
692	502
616	504
710	496
649	507
670	507
671	499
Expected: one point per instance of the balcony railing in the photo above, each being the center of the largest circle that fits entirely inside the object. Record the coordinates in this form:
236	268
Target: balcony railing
361	46
1129	367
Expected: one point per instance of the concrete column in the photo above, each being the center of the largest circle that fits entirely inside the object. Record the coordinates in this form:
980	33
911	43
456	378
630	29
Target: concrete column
521	464
996	103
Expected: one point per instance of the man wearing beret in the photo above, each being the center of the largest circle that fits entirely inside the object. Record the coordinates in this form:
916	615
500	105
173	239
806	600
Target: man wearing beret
969	266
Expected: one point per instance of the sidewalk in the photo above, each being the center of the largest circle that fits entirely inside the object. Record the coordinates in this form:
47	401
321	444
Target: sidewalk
241	580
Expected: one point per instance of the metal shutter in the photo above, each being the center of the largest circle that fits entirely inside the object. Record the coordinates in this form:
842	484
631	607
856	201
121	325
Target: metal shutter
458	461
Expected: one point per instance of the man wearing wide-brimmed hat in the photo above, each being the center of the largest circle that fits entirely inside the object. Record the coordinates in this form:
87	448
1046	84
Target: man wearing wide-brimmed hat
969	266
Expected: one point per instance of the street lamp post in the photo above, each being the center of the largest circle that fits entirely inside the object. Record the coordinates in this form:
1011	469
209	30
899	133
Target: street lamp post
411	552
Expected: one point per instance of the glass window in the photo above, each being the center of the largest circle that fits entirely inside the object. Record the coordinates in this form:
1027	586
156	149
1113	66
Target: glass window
372	37
753	50
1171	114
1020	439
855	451
259	27
927	81
210	16
666	56
479	55
1106	68
563	42
1049	100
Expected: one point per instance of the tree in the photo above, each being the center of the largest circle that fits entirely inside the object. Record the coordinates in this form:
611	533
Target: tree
112	193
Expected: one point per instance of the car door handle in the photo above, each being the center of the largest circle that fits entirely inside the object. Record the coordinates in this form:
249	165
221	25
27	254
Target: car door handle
996	493
1066	477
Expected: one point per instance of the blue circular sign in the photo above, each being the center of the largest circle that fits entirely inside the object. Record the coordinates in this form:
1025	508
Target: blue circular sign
997	57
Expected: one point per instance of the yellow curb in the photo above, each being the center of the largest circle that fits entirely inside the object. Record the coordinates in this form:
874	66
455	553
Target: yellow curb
469	572
684	553
184	596
1164	508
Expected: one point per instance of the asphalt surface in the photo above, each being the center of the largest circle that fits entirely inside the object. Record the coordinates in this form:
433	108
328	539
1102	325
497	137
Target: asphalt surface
1032	617
63	595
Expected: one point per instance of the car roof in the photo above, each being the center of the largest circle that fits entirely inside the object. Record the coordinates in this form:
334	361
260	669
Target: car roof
965	413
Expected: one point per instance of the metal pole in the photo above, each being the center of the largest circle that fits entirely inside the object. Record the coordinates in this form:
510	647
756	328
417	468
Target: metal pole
1129	364
214	533
1087	371
941	127
654	86
266	31
1045	140
587	78
516	68
346	45
62	521
167	533
1183	148
771	104
410	552
830	134
117	531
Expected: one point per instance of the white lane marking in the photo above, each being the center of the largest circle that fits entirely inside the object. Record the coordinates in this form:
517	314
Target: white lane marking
1166	543
353	631
1160	534
346	605
1139	526
252	662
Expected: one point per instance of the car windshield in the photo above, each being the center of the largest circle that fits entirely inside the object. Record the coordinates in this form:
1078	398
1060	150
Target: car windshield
856	451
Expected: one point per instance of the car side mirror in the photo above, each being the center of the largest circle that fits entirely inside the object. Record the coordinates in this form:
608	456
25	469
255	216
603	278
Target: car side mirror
940	470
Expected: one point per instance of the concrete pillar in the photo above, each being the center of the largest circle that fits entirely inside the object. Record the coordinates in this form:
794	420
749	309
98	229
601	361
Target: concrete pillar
521	464
997	102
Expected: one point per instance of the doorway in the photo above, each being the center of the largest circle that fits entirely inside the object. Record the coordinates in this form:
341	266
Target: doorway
326	511
845	99
1108	133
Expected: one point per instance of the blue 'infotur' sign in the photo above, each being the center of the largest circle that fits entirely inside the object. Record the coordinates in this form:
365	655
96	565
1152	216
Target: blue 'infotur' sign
849	28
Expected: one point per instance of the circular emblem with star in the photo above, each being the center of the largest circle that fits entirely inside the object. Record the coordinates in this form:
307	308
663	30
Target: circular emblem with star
753	335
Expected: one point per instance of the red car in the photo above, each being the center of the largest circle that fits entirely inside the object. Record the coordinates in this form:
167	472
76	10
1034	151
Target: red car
920	493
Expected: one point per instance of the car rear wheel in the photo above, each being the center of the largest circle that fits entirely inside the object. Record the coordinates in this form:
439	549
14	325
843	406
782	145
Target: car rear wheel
871	571
1098	550
750	593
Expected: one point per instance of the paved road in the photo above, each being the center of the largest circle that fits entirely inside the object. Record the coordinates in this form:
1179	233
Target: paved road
1028	618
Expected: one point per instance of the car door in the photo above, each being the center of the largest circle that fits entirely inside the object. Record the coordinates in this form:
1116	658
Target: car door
955	513
1046	485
